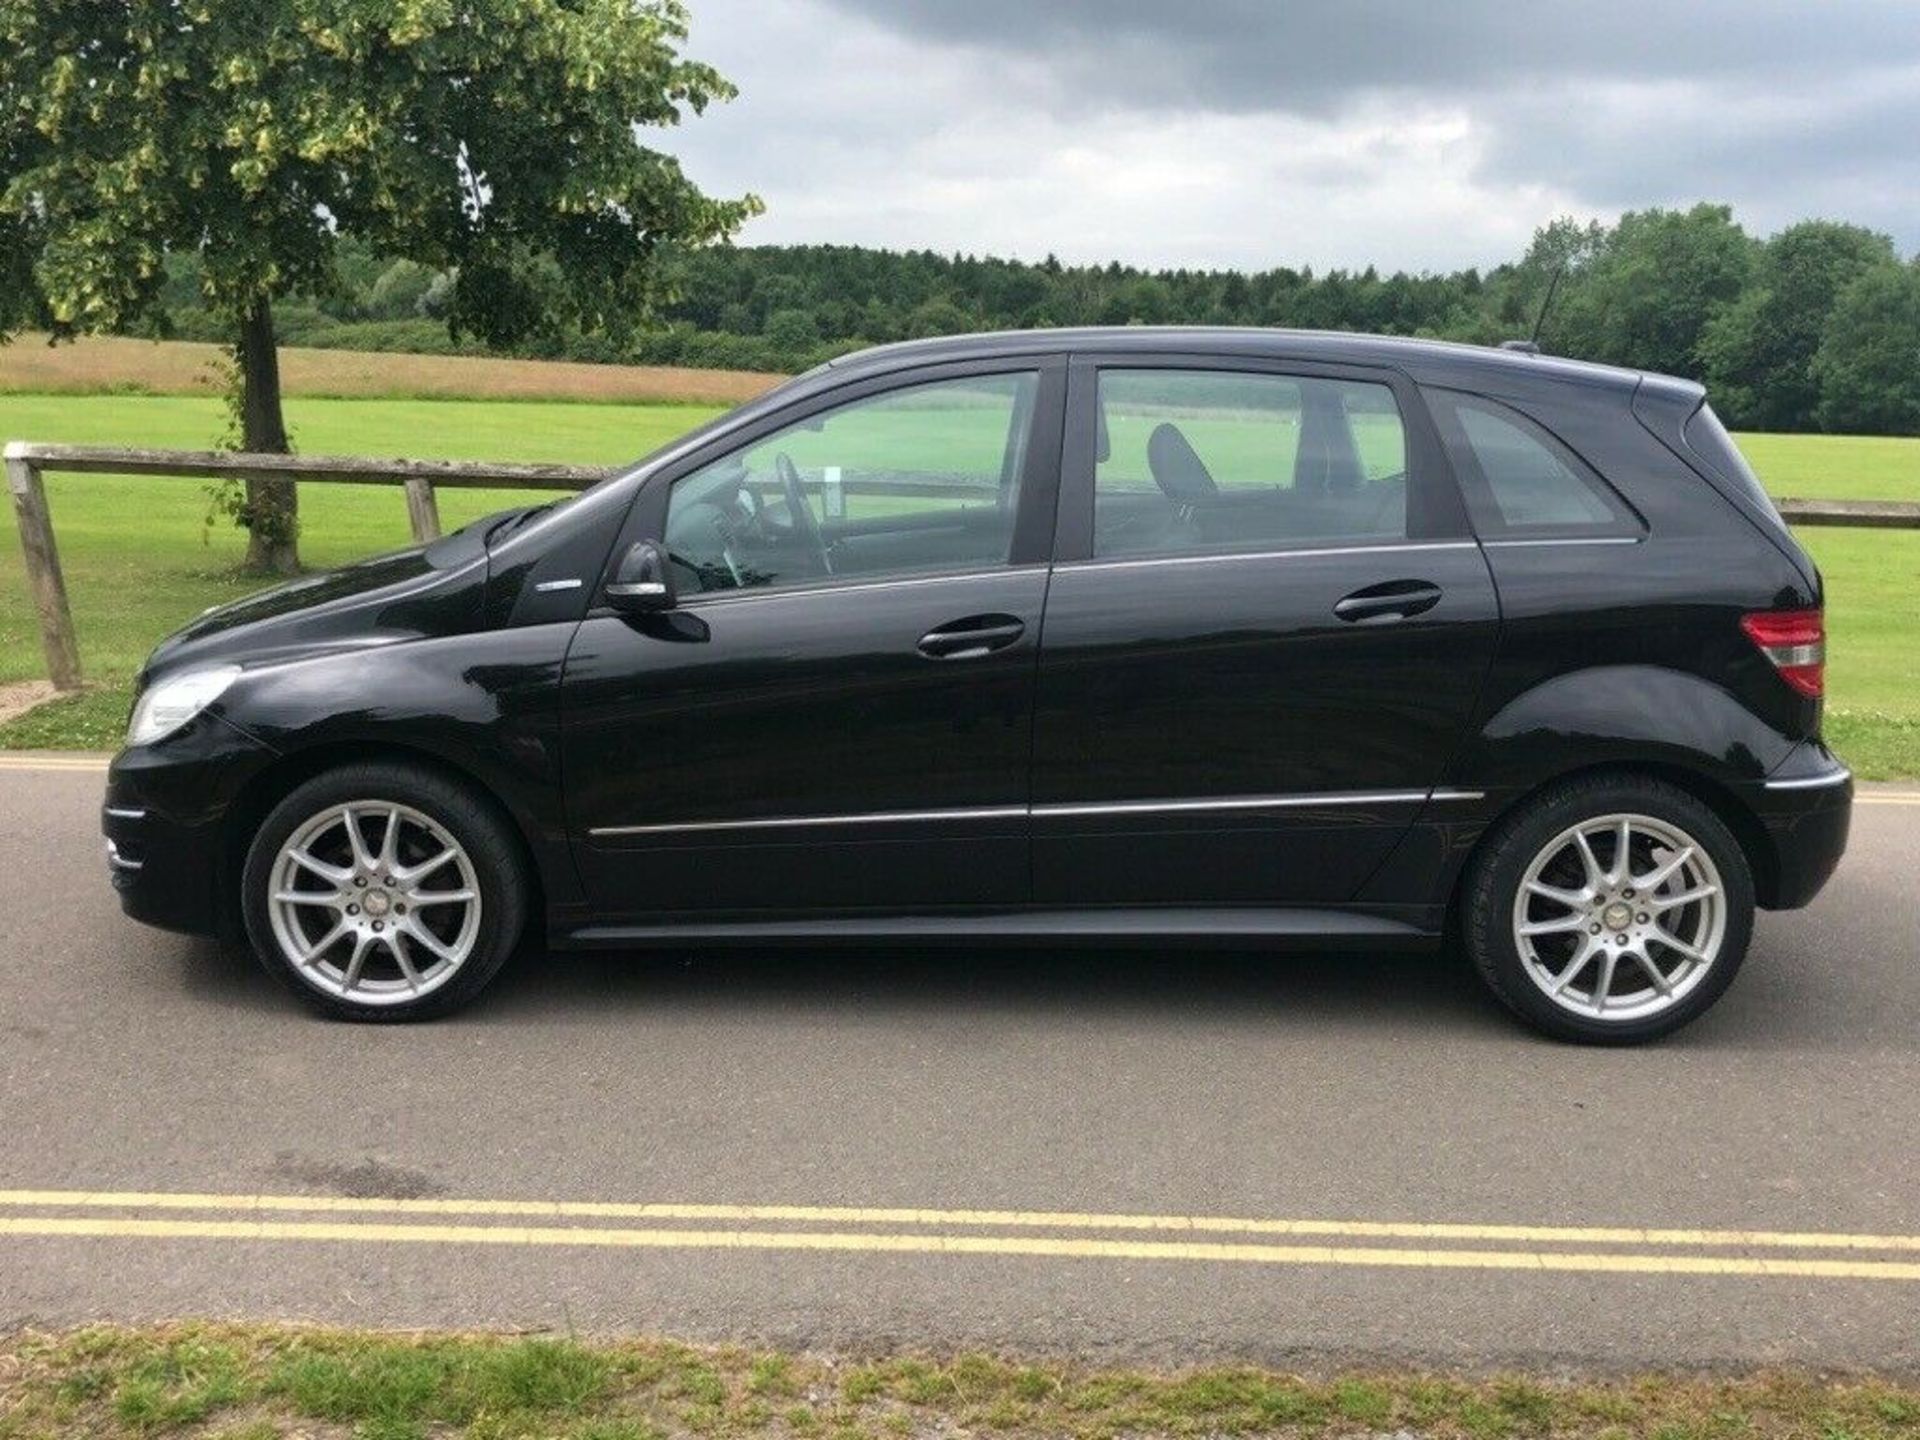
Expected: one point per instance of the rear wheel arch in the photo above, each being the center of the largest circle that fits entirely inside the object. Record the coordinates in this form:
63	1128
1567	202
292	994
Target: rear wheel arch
1728	808
1611	907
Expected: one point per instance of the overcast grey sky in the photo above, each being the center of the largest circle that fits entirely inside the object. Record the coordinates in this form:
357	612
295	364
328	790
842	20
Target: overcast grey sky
1249	133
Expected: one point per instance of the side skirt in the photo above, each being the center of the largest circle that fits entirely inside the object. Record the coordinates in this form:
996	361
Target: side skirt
1227	926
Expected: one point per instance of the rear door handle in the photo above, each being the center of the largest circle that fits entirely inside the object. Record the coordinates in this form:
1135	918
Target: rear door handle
1389	600
971	637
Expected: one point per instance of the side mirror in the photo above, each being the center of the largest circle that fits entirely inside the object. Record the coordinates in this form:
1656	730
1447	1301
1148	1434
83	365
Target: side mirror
642	581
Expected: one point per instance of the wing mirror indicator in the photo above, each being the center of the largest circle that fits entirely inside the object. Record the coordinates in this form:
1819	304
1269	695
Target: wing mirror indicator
642	580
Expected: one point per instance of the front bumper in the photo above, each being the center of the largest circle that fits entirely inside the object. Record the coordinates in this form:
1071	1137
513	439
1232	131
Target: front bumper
169	855
1806	808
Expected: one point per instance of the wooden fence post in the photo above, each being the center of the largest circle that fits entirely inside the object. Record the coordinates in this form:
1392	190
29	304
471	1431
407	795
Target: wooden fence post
29	494
423	509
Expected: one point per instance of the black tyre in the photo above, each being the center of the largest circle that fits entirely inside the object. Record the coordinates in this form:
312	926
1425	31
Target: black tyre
1588	948
384	891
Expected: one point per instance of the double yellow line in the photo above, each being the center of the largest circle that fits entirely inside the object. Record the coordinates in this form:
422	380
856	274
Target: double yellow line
1019	1233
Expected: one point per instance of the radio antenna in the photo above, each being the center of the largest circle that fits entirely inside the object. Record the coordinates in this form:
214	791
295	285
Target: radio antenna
1540	319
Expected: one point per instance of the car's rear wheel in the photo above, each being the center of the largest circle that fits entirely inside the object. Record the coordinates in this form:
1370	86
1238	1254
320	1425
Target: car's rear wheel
383	891
1609	910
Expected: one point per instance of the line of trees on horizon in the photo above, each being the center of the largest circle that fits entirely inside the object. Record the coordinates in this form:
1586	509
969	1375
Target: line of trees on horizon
1814	328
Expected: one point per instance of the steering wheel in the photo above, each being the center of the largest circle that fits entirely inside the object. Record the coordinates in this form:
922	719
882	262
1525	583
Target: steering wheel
804	525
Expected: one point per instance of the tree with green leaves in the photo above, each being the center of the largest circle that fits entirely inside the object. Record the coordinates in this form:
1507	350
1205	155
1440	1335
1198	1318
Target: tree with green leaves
1757	353
1519	292
495	139
1868	364
1651	286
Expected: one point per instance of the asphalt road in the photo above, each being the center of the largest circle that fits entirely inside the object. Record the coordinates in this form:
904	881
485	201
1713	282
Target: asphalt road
1383	1165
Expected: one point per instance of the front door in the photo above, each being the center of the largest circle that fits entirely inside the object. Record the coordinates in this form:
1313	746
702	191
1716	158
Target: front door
837	716
1264	637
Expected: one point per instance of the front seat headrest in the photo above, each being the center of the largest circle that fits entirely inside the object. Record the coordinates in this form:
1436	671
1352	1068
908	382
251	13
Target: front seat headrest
1177	469
1326	462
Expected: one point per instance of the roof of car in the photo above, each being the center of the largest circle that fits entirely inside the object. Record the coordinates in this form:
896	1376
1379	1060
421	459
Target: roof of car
1426	359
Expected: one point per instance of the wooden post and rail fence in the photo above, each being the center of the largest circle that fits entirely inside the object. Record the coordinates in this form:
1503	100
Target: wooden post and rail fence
26	464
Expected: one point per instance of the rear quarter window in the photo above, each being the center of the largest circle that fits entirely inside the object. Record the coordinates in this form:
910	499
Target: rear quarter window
1710	443
1519	481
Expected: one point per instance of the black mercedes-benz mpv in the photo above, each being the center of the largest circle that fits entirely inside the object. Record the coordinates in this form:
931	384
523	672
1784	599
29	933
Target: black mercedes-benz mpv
1162	637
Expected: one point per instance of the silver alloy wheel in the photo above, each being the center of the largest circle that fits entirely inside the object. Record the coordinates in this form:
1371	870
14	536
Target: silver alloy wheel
374	902
1619	917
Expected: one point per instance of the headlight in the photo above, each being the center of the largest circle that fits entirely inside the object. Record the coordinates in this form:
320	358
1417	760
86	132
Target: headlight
176	700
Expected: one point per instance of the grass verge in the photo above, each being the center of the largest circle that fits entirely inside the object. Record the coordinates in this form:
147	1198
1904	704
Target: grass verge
1878	746
95	719
259	1381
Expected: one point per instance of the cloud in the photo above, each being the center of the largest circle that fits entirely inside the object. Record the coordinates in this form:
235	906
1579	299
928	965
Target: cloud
1252	133
1314	56
1842	147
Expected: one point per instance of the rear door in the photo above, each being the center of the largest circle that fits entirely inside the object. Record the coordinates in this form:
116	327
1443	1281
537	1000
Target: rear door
1265	633
837	714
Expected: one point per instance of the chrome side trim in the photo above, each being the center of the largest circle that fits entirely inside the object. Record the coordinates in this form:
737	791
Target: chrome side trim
787	822
1219	557
1812	782
1568	540
726	597
547	587
769	592
120	813
1021	812
1246	802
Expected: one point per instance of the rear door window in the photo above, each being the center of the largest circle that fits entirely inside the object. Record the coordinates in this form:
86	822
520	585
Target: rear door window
1199	461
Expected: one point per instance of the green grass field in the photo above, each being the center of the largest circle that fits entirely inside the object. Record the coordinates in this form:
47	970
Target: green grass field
140	560
1836	467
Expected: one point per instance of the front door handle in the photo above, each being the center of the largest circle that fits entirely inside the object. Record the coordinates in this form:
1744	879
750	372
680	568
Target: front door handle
1389	600
971	637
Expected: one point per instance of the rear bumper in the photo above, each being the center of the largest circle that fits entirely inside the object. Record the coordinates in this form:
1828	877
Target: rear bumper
165	824
1806	810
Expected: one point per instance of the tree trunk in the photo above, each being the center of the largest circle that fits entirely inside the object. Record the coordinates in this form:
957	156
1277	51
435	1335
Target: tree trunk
273	514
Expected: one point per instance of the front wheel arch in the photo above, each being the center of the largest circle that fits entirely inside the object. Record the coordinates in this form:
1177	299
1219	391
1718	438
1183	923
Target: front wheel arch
476	923
287	774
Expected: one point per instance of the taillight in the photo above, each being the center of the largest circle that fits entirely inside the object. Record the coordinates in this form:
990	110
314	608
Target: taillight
1796	642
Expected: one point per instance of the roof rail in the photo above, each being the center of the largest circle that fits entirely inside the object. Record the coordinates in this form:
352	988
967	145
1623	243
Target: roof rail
1523	347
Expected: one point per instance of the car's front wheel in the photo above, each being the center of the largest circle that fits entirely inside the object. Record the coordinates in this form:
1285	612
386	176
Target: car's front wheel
1609	909
383	891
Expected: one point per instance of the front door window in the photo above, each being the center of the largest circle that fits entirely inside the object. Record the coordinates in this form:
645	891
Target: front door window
918	480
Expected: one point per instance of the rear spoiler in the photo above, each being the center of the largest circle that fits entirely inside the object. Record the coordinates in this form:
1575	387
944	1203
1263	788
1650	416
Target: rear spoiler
1665	407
